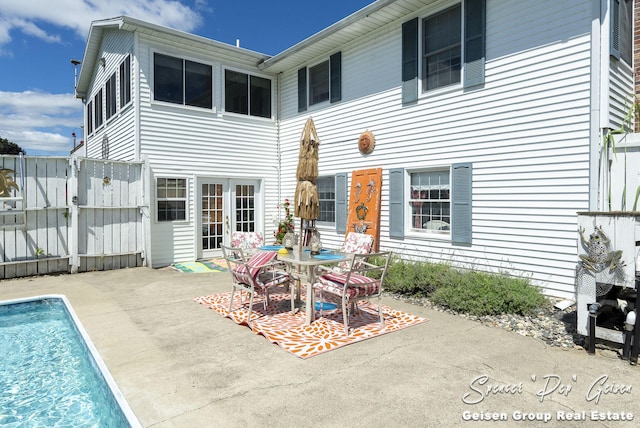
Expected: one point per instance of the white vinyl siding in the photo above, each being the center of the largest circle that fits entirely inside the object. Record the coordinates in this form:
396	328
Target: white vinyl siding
526	129
205	143
120	128
526	132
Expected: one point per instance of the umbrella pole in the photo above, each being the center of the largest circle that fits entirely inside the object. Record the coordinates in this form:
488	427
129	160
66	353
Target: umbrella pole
302	232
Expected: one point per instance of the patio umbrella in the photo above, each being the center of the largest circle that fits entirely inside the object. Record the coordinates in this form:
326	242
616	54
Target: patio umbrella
306	201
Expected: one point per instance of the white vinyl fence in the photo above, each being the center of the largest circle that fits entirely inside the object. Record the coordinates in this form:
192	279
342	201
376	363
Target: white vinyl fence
70	214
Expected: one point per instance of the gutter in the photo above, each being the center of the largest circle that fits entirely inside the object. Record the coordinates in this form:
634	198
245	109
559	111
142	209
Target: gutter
343	23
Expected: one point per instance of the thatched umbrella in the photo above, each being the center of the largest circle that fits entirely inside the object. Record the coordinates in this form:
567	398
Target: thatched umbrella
306	201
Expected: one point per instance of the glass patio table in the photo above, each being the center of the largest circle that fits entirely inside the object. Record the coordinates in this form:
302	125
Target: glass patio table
302	258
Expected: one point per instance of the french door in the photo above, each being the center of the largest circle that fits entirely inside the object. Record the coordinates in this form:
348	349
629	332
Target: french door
227	205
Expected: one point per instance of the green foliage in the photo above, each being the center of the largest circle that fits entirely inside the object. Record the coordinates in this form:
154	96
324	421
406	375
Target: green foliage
416	278
488	294
9	148
285	225
476	293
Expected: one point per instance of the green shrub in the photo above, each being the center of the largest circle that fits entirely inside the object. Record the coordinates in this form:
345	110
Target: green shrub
482	293
414	278
476	293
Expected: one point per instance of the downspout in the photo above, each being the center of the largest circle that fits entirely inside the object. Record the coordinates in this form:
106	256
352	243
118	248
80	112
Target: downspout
135	83
278	145
599	101
145	176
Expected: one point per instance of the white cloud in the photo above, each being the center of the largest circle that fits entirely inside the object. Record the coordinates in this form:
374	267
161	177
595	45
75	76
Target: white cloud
40	122
30	17
41	143
33	30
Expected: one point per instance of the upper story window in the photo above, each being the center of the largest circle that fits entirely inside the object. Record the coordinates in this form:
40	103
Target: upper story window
327	197
125	81
247	94
97	113
89	117
180	81
320	83
453	49
442	49
111	92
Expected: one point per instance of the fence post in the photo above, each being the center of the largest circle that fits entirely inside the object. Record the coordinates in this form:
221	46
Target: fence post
72	199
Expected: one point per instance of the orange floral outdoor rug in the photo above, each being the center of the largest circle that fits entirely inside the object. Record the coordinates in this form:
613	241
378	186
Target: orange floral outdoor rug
288	331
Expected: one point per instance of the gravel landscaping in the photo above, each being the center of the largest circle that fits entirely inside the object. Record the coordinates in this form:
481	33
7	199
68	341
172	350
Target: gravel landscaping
554	326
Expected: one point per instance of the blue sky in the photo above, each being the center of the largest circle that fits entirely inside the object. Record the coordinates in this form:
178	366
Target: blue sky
38	39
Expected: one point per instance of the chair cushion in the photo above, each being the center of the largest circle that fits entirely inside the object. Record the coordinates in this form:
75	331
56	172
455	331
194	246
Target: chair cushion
357	243
269	279
256	263
246	240
359	285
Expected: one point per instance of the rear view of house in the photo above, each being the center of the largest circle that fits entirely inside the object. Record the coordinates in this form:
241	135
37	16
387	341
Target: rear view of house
487	119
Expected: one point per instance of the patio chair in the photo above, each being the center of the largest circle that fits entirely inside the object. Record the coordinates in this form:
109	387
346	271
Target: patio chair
254	275
362	281
248	241
354	243
357	243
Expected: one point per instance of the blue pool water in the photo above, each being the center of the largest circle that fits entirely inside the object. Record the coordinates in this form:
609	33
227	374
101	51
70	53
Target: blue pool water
49	375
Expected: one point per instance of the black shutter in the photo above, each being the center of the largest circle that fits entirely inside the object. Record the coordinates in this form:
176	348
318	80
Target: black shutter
475	12
461	203
335	76
341	202
621	38
396	203
302	89
410	61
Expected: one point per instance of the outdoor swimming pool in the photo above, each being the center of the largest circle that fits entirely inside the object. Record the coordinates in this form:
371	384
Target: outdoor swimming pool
50	372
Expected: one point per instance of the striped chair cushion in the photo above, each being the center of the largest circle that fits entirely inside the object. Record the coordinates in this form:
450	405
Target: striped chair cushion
268	279
256	263
359	285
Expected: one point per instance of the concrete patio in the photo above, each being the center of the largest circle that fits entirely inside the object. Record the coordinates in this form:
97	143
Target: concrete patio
180	364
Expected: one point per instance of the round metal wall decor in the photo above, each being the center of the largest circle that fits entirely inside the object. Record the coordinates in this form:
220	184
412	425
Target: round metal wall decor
366	142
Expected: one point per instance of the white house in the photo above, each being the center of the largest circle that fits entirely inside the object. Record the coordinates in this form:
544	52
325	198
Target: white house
494	109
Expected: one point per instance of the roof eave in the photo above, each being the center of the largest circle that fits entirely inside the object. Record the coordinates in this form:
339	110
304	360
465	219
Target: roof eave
90	52
272	63
126	23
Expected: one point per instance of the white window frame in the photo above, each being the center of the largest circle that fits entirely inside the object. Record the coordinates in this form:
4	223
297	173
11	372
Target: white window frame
249	75
185	199
410	229
98	109
332	179
89	113
328	83
111	96
422	89
183	104
124	82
